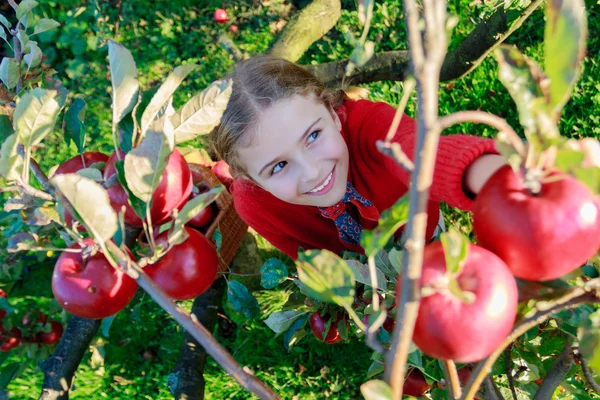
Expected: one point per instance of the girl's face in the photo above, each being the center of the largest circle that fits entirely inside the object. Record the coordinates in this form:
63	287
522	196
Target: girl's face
297	153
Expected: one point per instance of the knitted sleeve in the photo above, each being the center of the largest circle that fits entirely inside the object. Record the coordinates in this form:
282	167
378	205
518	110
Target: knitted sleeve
455	152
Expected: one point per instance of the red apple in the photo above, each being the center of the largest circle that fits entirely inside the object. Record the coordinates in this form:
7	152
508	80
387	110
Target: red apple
415	383
76	163
447	326
220	16
90	288
318	326
221	171
540	236
233	29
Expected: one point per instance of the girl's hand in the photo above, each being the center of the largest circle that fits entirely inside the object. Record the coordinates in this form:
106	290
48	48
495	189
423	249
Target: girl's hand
480	170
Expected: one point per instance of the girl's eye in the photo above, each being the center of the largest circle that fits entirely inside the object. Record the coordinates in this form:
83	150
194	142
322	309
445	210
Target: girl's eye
313	136
278	167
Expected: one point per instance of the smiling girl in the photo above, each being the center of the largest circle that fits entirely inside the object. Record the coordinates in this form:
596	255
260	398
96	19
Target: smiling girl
308	173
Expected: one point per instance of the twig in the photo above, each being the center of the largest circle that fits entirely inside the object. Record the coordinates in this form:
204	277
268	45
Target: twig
426	63
557	373
587	373
576	297
18	58
491	390
394	150
13	4
452	378
509	375
482	117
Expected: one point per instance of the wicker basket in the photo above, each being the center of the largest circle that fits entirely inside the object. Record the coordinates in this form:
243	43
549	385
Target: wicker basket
231	226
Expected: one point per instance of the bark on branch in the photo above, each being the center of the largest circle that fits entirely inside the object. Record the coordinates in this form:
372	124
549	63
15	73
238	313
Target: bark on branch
557	373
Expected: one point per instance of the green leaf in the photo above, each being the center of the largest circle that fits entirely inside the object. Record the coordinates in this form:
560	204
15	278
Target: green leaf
40	216
11	163
272	273
456	247
123	76
8	373
280	321
161	98
590	176
376	390
564	47
3	34
5	22
6	128
145	164
202	112
376	368
45	24
127	130
73	125
24	39
138	205
35	116
22	241
389	222
567	159
90	201
241	300
106	324
9	72
91	173
363	275
396	260
522	77
34	57
295	332
326	277
24	7
192	208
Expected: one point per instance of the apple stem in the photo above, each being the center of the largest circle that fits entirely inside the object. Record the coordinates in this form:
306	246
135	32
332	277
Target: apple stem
465	296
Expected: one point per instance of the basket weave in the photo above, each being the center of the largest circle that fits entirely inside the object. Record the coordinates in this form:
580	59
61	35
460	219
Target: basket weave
231	226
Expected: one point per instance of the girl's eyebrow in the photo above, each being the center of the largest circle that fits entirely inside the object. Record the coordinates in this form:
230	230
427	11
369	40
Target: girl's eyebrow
299	140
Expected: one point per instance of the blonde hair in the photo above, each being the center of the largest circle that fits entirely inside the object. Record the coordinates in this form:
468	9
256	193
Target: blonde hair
259	83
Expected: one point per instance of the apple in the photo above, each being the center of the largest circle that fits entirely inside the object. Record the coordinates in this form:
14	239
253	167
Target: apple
415	383
220	16
75	164
539	236
233	29
318	326
91	288
204	218
221	171
450	328
188	269
53	336
34	317
172	192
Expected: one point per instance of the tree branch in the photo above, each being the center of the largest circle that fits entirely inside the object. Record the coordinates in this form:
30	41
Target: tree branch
557	373
452	379
307	26
509	374
587	373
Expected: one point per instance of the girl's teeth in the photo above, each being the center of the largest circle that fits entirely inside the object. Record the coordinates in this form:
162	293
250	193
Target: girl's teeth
323	185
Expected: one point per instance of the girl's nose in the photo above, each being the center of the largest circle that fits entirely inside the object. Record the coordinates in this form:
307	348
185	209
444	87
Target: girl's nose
311	171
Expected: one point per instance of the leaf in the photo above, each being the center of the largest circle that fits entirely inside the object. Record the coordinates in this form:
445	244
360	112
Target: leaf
241	300
362	274
3	34
396	259
35	116
590	176
456	247
123	76
91	173
376	390
22	241
45	24
90	201
523	78
73	125
7	374
202	112
40	216
564	47
24	7
34	57
138	205
389	222
9	72
192	208
24	39
164	94
145	164
106	324
5	22
11	163
272	273
295	332
280	321
376	368
326	277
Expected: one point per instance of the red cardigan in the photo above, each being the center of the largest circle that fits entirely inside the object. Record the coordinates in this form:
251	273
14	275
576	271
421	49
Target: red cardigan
375	176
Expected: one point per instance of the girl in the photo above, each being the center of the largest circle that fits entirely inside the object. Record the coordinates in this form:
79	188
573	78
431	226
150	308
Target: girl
308	173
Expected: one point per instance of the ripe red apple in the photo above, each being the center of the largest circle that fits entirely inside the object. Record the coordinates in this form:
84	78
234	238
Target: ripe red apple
53	336
206	215
318	327
10	343
233	29
540	236
221	171
75	164
188	269
448	327
33	317
415	383
172	191
220	16
90	288
2	311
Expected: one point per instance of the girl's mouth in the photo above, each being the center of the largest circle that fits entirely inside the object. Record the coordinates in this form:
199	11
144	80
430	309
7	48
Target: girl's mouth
325	186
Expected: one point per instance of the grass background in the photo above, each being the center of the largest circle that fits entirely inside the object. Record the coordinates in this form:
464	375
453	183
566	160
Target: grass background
143	342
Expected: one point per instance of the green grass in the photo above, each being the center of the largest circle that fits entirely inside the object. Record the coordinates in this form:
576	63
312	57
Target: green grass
143	344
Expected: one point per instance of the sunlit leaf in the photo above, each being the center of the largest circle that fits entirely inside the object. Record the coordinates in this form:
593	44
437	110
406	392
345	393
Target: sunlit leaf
389	222
24	7
272	273
376	390
362	274
35	116
45	24
9	72
11	163
455	249
123	76
241	300
34	57
281	321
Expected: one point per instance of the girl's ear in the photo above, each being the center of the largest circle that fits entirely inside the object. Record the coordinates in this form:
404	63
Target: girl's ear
337	121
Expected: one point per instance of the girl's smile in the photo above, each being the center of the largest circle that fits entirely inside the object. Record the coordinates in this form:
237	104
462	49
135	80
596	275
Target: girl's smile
296	152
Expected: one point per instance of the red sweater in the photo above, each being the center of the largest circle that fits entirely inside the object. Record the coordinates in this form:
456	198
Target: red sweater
375	176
